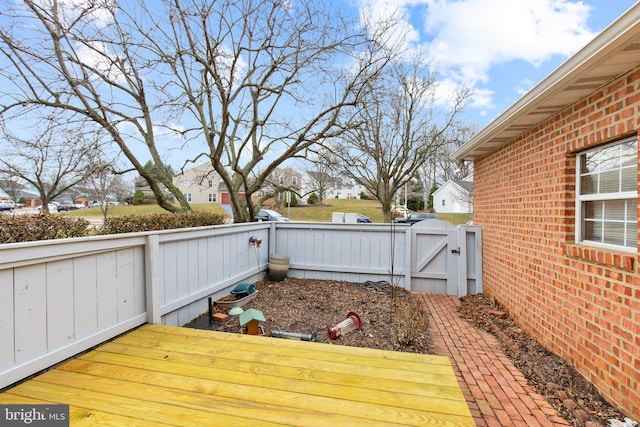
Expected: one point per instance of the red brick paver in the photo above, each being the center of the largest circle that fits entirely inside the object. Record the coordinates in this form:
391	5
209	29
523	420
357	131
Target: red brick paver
496	391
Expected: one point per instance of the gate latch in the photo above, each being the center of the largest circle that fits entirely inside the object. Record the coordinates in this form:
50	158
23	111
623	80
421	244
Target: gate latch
456	251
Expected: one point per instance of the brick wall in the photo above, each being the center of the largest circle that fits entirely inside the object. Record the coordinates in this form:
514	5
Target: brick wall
580	302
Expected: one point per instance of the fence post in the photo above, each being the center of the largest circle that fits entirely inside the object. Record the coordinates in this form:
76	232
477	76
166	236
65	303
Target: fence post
408	259
478	260
462	261
153	278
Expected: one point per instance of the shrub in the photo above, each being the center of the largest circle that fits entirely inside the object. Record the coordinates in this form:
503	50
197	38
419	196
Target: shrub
138	198
294	200
415	204
159	221
29	228
313	198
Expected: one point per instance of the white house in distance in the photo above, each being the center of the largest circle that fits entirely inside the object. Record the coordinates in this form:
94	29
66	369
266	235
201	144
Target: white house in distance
454	197
335	187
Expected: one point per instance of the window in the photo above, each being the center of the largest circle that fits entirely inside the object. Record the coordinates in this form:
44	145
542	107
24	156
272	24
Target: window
187	196
281	180
607	200
294	181
186	183
212	198
210	183
443	202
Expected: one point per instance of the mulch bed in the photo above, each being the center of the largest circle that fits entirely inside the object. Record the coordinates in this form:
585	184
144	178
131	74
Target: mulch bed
392	318
575	398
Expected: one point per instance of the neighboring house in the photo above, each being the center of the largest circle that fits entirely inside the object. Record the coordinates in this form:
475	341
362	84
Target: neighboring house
454	197
148	192
334	187
201	184
556	194
347	189
281	178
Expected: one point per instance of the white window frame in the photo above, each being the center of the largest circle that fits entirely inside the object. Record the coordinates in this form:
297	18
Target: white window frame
187	196
580	198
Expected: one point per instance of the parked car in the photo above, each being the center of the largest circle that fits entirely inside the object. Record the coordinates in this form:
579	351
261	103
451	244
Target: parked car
66	206
269	215
364	219
412	218
7	205
53	207
399	211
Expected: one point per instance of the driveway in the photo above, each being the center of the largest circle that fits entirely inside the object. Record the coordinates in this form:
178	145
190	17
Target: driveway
227	209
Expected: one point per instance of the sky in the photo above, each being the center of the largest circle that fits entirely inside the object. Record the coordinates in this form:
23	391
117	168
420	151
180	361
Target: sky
500	49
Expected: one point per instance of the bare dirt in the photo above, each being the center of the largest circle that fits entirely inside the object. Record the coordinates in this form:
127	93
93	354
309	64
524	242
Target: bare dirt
392	319
575	398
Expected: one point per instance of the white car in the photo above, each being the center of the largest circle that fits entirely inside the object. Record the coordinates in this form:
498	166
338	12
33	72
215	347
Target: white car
7	205
53	207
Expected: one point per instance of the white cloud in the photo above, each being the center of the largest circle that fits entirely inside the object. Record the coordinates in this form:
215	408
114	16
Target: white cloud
471	36
465	39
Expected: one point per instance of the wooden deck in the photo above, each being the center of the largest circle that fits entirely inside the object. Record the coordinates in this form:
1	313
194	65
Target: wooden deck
162	375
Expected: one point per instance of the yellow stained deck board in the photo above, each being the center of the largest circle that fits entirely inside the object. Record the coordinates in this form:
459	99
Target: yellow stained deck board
80	416
313	351
190	397
278	384
439	385
168	375
326	411
295	344
129	407
249	357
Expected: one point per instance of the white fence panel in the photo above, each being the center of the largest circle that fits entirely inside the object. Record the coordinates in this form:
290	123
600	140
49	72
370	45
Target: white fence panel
353	252
61	297
198	263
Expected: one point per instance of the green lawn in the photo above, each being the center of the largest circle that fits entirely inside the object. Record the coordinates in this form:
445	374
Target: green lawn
312	213
124	210
370	208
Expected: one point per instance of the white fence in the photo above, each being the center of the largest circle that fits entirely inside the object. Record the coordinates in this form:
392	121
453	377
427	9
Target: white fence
61	297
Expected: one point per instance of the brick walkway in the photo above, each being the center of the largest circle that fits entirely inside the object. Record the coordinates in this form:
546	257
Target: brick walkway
496	391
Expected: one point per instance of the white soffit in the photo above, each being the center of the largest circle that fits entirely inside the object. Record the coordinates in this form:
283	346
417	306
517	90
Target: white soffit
609	55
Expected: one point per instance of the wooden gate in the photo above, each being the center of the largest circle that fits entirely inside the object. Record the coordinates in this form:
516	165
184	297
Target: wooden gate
445	259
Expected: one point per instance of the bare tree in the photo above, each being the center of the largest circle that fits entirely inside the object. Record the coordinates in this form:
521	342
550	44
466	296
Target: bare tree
106	186
247	84
401	129
11	185
52	159
321	174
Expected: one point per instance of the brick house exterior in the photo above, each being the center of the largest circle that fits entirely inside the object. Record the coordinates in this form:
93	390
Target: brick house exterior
577	295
